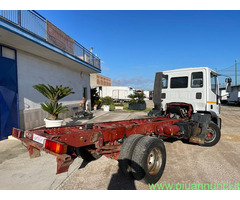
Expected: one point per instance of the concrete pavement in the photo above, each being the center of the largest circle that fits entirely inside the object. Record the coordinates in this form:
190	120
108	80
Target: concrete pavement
18	171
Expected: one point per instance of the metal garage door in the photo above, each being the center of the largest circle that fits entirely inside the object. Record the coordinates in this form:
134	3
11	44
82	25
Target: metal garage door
8	92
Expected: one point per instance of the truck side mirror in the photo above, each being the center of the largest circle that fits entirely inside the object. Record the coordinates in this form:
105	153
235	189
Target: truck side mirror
228	84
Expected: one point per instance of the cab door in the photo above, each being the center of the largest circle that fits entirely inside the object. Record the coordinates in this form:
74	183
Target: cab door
212	100
198	94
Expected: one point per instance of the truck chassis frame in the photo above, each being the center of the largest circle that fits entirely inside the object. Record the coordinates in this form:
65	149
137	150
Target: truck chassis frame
107	138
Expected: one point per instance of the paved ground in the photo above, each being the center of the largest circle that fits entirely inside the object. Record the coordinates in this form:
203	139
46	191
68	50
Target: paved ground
18	171
186	163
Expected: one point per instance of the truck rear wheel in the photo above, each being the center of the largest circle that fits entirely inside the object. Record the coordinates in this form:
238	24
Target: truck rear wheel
126	154
148	160
213	135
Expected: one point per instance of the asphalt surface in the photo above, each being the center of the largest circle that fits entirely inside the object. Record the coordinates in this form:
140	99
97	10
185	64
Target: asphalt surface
186	163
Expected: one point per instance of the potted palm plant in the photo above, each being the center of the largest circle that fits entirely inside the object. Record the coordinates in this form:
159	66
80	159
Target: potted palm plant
106	102
137	101
53	107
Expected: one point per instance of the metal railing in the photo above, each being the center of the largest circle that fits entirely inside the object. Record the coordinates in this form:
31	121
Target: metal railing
36	24
27	19
86	55
11	15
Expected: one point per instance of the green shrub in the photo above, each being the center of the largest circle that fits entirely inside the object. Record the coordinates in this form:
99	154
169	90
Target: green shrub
97	102
118	104
132	101
112	107
137	98
95	97
107	100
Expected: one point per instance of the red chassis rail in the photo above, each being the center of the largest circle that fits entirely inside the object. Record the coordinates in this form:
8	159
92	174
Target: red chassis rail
101	138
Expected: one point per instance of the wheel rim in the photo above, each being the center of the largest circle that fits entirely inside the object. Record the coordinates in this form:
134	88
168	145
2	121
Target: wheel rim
154	161
210	136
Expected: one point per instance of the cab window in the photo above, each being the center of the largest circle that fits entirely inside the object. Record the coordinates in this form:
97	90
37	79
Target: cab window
213	83
164	81
197	80
179	82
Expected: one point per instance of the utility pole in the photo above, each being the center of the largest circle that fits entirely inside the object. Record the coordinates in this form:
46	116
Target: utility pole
236	72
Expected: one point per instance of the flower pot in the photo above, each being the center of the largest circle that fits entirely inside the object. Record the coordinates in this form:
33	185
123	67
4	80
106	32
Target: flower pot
106	107
118	107
95	107
53	123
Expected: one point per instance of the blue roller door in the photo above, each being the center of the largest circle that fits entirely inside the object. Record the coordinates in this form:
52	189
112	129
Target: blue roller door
8	97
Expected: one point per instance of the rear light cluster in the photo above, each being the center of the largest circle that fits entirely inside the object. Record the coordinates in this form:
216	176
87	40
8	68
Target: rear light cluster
57	147
17	133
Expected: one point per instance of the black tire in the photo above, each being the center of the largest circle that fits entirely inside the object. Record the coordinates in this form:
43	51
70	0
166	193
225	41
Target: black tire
213	135
148	160
125	156
86	155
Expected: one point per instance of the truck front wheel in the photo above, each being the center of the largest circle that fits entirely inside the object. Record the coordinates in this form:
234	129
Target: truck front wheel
213	135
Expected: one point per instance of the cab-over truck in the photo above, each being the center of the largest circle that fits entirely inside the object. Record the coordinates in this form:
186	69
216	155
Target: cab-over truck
186	106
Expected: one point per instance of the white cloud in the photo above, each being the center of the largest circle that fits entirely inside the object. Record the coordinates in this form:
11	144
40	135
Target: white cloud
137	82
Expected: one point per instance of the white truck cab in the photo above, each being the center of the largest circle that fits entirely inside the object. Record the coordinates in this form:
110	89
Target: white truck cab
195	86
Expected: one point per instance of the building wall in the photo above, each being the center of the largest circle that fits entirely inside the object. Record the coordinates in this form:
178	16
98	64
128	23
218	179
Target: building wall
99	80
34	70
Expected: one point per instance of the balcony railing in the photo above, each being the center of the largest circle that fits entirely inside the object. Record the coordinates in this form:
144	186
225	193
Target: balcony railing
36	24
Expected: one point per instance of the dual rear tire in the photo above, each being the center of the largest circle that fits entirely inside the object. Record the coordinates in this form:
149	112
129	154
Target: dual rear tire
143	158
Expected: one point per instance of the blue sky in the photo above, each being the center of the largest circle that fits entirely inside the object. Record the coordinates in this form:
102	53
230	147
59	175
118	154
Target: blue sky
134	45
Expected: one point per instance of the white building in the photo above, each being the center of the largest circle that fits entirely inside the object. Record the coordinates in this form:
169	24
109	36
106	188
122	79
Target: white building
234	95
223	95
33	51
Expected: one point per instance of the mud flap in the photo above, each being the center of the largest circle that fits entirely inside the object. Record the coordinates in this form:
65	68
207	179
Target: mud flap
63	165
33	152
203	120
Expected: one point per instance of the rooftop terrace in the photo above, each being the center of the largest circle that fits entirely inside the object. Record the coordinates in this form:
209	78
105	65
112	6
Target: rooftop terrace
37	25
